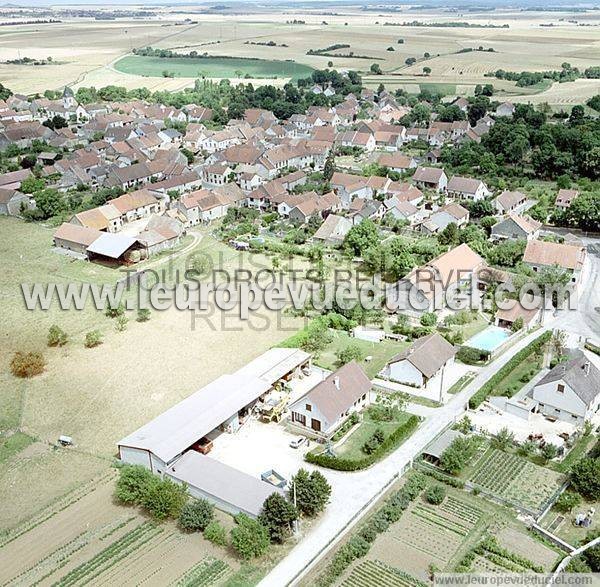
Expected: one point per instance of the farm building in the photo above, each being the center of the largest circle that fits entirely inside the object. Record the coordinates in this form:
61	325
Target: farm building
114	249
228	488
12	202
325	407
77	239
221	406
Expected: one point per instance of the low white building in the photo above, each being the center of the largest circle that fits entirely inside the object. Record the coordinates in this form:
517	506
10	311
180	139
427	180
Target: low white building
422	363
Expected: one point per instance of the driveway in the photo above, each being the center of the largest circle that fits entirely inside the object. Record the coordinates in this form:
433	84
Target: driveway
356	493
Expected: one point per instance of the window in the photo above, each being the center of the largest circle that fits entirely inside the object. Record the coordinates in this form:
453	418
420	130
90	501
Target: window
557	410
308	408
300	418
364	397
560	388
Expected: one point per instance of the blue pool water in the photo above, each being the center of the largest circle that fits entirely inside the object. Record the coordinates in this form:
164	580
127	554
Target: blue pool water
489	339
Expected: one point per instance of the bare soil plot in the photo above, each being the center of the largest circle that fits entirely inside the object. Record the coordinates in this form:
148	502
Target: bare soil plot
97	542
526	546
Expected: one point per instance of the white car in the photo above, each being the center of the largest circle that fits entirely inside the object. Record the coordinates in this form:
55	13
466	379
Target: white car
298	442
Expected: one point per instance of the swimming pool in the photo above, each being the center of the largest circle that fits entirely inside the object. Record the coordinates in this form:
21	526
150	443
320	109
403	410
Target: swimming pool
489	339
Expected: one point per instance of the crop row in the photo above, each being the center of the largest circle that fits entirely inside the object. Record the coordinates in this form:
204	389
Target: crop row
207	572
374	573
112	554
498	471
441	521
462	510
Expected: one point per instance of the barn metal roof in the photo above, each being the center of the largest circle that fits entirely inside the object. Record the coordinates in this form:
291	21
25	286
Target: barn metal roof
175	430
225	483
111	245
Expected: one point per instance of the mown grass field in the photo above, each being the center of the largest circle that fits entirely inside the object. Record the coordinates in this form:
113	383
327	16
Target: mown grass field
212	67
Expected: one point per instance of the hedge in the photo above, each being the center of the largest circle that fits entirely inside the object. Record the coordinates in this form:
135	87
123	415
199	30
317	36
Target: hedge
442	477
487	388
388	445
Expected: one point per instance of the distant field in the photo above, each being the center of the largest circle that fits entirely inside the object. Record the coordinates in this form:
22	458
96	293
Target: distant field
212	67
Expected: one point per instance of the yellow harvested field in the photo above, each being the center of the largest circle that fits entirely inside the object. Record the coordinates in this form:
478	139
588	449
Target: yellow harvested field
84	50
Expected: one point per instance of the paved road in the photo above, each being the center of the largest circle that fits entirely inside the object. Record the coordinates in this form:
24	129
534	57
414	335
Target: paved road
361	489
366	485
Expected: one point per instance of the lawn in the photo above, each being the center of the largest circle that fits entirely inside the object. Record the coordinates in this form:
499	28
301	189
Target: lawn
519	376
13	445
462	383
381	352
351	448
217	67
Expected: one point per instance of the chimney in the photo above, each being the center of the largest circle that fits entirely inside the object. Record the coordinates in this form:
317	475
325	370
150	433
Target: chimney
586	368
336	382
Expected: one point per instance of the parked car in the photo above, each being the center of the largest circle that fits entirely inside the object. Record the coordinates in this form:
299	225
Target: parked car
298	442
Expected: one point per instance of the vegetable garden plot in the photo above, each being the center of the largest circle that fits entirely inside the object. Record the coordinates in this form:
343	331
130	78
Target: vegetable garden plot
374	573
519	481
207	572
461	510
428	536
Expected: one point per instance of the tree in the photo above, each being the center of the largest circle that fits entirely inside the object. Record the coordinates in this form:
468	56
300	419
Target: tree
458	454
435	494
527	448
585	477
92	339
427	70
517	324
361	237
164	498
249	537
373	442
311	492
329	168
450	235
31	184
352	352
27	365
549	451
215	533
278	515
503	440
57	336
584	211
132	483
317	338
49	202
196	515
567	501
376	69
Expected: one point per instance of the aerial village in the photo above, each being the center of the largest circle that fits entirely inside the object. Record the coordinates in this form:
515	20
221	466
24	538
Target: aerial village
492	407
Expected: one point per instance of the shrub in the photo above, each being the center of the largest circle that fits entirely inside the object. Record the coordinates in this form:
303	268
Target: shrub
435	494
428	319
503	440
26	365
132	483
472	356
567	501
163	498
121	323
215	533
114	311
352	352
196	515
57	336
374	442
92	339
249	538
143	315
